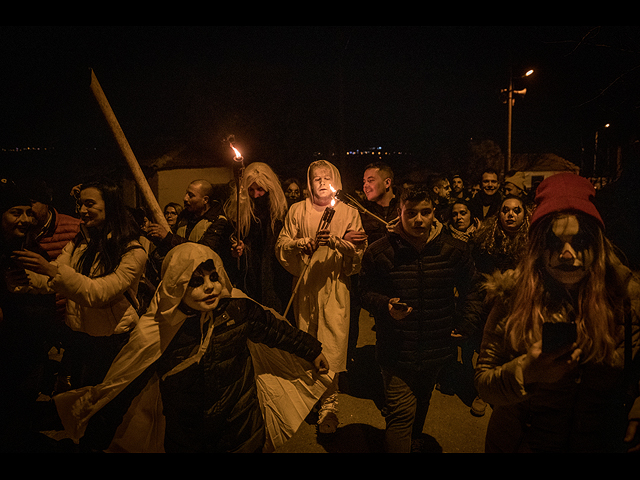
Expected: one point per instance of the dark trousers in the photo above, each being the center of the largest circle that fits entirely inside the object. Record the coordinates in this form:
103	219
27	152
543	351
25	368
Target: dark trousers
407	395
87	359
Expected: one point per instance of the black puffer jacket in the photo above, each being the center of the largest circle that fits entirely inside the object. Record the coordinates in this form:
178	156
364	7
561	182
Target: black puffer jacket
427	281
211	406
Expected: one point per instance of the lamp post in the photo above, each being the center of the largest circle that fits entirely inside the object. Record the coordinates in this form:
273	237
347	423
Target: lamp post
510	102
595	149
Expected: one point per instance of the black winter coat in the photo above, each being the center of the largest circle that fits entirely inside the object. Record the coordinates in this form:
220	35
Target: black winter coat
440	284
211	406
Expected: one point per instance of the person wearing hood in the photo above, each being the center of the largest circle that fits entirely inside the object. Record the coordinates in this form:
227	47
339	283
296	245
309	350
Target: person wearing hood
322	261
409	280
559	355
189	380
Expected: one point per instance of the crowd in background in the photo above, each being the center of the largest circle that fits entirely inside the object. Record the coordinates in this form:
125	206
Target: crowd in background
451	270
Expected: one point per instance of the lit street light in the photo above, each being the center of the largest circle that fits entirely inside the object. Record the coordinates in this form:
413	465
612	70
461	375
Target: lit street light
510	102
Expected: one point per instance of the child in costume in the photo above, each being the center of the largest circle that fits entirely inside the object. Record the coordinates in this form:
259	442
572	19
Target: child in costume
186	381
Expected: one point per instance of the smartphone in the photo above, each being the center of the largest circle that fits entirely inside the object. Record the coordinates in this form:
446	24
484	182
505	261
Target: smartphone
557	335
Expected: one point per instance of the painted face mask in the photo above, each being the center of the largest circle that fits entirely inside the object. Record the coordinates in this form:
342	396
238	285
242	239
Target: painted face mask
569	252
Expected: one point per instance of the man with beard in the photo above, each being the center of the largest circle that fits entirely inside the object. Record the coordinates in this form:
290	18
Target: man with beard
487	202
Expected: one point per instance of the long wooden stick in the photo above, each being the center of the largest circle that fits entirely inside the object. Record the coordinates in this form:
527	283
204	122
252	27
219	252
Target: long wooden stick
138	176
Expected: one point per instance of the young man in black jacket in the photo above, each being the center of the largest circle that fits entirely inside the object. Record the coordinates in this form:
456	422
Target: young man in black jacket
422	288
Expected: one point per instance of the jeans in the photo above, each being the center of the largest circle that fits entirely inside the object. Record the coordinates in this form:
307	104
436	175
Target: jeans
407	396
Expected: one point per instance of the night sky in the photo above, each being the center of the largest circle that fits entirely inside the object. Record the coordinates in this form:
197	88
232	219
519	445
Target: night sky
288	92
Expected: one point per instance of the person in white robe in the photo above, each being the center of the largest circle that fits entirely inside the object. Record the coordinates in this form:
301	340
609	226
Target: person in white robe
321	262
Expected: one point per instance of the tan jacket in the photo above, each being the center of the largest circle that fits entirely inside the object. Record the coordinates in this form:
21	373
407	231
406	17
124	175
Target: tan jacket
97	306
573	414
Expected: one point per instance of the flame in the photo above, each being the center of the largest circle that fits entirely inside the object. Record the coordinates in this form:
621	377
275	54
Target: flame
333	200
238	154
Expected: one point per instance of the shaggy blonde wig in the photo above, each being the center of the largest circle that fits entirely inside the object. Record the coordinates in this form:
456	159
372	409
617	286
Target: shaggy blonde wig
262	175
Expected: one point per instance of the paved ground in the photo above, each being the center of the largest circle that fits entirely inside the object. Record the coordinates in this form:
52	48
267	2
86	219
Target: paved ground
449	428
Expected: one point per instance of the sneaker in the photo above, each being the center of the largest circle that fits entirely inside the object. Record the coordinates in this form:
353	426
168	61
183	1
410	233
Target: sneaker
478	407
328	423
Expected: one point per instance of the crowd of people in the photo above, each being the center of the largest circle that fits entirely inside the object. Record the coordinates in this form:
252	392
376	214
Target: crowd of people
222	332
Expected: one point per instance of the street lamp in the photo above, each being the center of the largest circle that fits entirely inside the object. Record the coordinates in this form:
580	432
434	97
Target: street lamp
510	102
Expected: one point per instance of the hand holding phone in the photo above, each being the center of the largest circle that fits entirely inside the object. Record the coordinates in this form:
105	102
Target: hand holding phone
557	335
398	310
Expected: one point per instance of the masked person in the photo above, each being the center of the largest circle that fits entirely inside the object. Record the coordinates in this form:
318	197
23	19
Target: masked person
322	262
263	206
576	390
186	381
502	238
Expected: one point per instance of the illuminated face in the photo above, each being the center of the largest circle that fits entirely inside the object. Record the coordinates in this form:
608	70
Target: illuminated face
417	219
460	217
204	291
489	183
92	207
443	190
170	215
569	253
194	200
17	220
293	192
511	189
373	185
321	180
511	215
457	185
256	191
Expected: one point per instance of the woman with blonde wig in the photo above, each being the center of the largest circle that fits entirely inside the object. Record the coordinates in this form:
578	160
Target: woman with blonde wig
263	207
559	356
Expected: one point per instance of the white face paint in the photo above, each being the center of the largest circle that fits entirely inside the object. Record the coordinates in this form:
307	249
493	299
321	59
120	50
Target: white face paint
512	215
204	291
569	253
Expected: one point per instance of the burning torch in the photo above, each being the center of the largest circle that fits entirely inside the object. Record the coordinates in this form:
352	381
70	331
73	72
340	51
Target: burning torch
353	203
238	169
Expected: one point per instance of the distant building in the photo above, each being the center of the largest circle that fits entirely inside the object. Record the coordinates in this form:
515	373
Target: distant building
538	167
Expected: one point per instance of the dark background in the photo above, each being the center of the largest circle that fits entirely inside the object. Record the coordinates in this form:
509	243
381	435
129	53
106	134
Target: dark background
291	94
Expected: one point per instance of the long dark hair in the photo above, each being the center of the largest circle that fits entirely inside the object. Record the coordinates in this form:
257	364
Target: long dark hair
116	236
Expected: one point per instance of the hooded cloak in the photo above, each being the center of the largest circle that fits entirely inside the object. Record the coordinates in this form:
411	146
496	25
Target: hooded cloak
288	387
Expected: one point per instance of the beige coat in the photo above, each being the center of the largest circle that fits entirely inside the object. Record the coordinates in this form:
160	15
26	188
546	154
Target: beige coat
96	306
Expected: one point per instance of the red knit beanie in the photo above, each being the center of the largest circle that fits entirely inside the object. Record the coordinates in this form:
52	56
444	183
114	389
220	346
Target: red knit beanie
565	192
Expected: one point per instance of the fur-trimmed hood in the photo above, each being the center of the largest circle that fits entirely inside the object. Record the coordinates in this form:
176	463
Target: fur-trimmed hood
500	285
